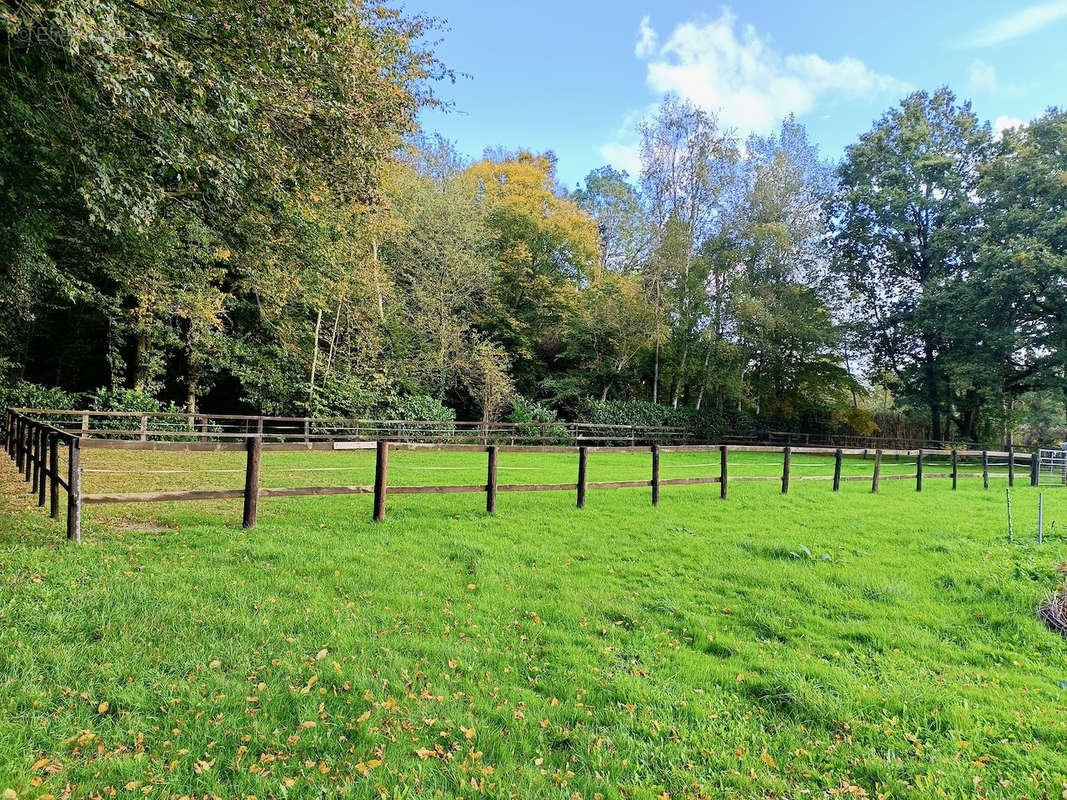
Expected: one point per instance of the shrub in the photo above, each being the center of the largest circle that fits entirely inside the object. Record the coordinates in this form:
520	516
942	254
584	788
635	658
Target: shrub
419	407
536	421
24	394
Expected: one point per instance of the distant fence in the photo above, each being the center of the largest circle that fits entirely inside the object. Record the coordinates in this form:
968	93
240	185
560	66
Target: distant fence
171	426
34	446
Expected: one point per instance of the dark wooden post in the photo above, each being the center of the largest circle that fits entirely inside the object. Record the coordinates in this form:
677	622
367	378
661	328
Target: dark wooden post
74	492
490	482
787	456
723	473
381	470
42	476
203	429
20	444
31	435
254	452
655	474
259	426
9	431
53	458
955	467
1011	465
1035	468
837	469
985	469
35	474
583	455
877	471
919	471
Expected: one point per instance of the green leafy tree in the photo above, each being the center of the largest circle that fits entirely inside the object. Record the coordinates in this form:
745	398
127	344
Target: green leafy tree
906	223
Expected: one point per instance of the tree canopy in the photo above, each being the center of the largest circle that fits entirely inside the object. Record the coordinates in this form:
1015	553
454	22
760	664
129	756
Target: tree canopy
230	206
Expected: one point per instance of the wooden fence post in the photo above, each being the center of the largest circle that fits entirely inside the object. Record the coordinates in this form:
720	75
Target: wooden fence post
583	455
53	458
9	430
85	424
381	470
31	434
985	469
837	469
723	475
877	471
655	474
1011	466
254	452
20	444
144	427
74	492
42	475
955	467
1035	468
490	482
203	429
787	456
919	471
307	430
35	474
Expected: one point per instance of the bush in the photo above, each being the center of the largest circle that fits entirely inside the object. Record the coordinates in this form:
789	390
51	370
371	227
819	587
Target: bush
419	407
24	394
121	400
536	421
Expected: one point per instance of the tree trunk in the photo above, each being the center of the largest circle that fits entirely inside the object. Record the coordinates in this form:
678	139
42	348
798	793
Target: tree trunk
679	380
378	280
140	362
655	376
314	361
703	378
933	394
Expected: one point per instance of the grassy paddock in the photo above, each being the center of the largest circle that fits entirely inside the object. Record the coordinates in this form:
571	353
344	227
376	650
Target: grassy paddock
814	645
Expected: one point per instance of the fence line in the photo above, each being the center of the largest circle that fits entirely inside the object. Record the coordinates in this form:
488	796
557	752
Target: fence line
34	447
163	425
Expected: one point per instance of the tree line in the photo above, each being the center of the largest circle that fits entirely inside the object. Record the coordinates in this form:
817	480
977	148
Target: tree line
230	207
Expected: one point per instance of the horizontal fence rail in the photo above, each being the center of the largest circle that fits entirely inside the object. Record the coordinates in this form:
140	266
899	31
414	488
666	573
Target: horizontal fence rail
176	426
34	446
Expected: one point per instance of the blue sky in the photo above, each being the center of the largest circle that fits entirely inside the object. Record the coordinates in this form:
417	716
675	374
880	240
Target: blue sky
575	77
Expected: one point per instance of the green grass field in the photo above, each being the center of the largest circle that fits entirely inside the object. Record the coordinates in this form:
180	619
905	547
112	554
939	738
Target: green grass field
814	645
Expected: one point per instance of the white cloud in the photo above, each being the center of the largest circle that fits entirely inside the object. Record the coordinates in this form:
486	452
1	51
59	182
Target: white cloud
1013	26
733	70
623	155
646	39
1003	123
983	77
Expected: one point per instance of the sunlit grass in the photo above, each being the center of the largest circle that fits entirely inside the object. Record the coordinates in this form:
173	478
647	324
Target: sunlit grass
755	647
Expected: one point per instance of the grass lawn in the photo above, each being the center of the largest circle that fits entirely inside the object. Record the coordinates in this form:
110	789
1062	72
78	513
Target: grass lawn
812	645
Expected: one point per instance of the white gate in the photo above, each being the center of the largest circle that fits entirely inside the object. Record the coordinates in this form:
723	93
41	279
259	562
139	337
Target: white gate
1052	467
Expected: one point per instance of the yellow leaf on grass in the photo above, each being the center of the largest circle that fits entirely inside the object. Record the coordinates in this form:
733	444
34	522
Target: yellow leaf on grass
321	654
765	757
364	716
41	764
103	707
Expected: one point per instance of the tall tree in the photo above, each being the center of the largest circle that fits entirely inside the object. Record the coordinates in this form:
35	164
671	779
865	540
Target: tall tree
687	166
1022	280
905	222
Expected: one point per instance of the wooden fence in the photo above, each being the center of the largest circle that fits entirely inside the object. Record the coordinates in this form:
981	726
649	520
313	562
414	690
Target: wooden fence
171	426
34	446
